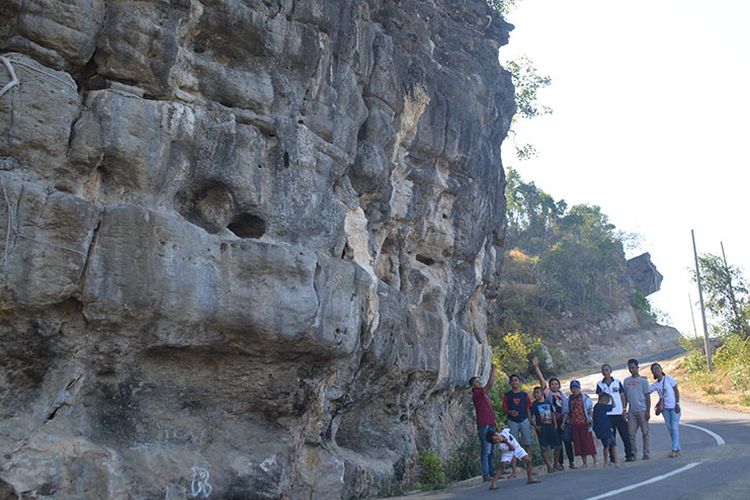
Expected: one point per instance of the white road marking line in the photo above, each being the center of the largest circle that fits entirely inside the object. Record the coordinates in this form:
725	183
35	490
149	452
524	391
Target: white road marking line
644	483
719	440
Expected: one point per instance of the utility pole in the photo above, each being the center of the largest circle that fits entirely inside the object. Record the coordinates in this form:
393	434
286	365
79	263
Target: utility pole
692	316
706	342
737	319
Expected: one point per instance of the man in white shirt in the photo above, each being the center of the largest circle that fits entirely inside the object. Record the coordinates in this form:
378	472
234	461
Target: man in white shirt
613	387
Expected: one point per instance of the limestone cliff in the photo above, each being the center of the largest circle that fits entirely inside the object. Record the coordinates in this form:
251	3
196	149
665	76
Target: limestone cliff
246	244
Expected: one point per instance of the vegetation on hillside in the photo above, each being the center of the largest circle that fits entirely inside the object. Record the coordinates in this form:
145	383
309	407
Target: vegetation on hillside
728	306
726	294
562	262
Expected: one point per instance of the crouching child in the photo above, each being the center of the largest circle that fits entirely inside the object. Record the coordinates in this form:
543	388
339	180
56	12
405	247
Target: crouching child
510	449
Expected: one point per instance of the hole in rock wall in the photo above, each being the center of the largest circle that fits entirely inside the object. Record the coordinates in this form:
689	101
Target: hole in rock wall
427	261
347	253
247	226
88	77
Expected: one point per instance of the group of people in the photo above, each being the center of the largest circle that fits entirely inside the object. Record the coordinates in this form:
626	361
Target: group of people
572	421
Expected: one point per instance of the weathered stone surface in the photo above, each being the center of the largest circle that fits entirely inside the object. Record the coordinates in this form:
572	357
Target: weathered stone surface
59	34
46	239
36	116
642	274
248	247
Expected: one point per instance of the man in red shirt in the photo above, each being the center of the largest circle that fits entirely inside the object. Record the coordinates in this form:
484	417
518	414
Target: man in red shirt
485	421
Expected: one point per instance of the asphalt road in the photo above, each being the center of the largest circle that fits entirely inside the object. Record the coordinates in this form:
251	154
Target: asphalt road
706	470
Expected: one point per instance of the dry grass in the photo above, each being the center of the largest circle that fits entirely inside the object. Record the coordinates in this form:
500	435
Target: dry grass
713	389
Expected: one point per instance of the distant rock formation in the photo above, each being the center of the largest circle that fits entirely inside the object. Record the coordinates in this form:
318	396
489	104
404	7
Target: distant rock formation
642	274
246	245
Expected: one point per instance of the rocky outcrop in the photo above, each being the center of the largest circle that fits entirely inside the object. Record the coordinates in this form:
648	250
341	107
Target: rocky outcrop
642	276
246	245
622	336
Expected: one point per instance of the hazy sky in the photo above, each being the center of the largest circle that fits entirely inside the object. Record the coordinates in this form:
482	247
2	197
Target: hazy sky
651	103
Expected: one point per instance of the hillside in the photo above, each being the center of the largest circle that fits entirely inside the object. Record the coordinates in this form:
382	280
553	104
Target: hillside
566	281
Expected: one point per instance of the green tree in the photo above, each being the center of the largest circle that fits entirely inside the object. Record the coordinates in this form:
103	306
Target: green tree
726	292
528	81
515	351
587	261
532	214
560	258
502	6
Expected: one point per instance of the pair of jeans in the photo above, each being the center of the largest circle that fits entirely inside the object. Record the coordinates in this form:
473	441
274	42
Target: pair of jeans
638	419
486	450
672	419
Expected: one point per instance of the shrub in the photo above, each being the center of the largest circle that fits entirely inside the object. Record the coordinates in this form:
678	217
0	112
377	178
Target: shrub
642	307
695	359
535	452
733	358
464	463
515	350
388	486
432	471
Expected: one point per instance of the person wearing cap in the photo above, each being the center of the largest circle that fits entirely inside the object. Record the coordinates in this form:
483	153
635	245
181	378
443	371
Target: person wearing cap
578	416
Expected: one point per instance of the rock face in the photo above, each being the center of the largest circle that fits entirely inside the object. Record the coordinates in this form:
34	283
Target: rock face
642	275
246	245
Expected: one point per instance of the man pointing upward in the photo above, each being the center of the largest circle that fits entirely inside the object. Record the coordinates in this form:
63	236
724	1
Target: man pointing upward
485	421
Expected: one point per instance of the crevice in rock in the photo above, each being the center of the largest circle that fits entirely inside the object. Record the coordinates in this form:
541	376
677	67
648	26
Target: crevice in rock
88	258
62	397
247	225
316	277
88	77
427	261
347	253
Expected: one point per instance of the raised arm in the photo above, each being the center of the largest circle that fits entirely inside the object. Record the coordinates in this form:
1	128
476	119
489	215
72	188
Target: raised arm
538	371
491	380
